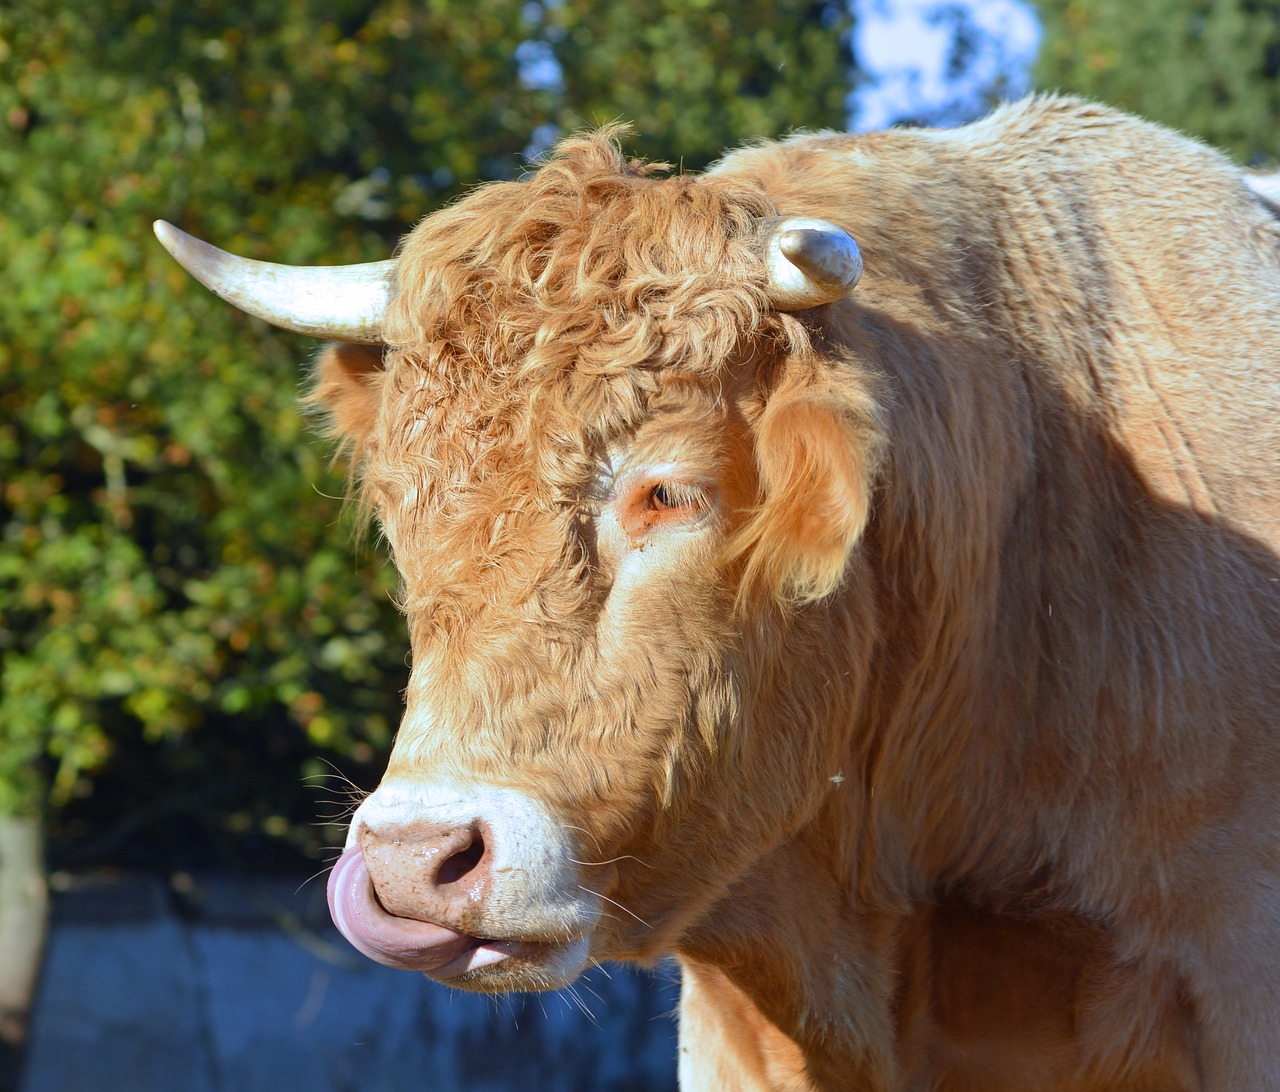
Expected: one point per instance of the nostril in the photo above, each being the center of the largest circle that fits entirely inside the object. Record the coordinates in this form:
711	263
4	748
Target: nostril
435	872
463	862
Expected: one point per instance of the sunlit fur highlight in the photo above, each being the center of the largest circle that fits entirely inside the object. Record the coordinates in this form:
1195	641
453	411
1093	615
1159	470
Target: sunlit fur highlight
972	677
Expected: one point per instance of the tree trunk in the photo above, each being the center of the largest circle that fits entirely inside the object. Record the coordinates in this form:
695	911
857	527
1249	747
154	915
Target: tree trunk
24	906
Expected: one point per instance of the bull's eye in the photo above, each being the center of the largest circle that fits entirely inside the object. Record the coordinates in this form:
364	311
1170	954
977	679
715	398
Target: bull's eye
652	503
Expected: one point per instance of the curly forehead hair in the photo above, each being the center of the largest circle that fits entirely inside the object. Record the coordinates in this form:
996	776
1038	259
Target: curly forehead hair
595	265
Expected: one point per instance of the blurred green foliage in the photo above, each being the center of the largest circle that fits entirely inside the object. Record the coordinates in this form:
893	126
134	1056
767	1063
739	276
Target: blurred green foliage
1208	67
186	631
696	77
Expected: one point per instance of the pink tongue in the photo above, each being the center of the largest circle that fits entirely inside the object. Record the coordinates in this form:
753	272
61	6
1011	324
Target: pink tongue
398	942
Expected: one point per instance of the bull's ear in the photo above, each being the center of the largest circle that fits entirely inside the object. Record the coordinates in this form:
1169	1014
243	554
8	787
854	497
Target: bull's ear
348	388
816	453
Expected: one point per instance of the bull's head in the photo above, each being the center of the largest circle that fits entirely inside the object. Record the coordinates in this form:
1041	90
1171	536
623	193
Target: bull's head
620	479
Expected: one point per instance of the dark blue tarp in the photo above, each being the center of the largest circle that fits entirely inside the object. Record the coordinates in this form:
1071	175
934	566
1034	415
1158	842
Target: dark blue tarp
234	985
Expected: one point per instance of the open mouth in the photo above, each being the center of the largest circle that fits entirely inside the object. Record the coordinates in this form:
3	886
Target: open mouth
414	945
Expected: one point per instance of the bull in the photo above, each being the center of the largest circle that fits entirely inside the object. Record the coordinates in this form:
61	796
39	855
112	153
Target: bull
900	651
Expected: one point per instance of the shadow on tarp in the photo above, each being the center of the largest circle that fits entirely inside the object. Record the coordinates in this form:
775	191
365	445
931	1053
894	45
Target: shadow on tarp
226	985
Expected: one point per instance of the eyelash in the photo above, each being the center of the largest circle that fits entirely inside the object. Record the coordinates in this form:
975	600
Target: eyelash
676	497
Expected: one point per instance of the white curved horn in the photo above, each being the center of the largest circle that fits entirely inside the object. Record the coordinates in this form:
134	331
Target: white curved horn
1265	186
811	262
337	302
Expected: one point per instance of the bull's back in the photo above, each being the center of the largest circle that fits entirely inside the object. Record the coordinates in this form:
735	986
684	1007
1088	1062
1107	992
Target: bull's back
1192	384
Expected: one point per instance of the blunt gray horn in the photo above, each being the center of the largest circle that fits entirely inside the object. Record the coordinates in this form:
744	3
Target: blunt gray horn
811	262
1265	186
337	302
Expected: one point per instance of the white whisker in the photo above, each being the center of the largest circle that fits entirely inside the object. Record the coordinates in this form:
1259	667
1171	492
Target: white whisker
612	860
314	876
614	902
570	826
582	1006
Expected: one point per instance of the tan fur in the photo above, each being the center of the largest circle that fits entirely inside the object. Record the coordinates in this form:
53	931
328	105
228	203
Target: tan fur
345	387
945	748
736	1047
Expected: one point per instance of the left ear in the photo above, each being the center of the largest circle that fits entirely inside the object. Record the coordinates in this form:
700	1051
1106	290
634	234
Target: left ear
348	385
817	449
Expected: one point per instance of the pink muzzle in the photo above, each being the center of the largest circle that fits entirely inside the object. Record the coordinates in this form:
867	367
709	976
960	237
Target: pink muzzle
406	943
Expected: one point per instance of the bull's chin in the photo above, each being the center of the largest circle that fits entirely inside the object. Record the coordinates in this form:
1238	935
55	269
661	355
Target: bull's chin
502	966
486	965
